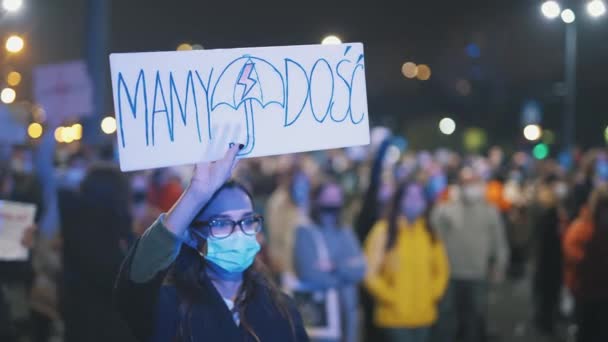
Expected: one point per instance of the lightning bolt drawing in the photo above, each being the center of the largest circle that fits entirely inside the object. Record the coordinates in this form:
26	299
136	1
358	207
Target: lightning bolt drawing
246	80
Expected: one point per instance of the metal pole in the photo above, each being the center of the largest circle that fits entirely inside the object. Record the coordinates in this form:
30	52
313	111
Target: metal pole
98	14
570	80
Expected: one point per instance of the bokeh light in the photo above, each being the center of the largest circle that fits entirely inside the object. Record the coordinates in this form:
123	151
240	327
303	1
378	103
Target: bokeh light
550	9
474	139
59	134
540	151
548	137
68	135
12	5
8	95
77	131
197	47
606	134
34	130
447	126
184	47
424	72
108	125
13	78
568	16
409	69
532	132
331	40
14	44
596	8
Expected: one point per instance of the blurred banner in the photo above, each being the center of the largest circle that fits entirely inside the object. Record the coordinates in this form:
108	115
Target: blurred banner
182	107
64	91
15	218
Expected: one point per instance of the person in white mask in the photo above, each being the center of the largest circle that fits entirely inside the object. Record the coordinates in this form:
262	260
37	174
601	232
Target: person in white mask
473	232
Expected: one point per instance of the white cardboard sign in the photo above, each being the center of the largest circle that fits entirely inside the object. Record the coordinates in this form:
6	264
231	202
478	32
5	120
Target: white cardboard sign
175	108
15	218
64	90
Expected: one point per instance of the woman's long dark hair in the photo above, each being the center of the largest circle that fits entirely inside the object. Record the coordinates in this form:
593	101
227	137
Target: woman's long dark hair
592	269
190	267
395	212
370	210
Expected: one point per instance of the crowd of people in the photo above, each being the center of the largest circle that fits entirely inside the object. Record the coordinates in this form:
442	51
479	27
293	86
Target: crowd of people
374	243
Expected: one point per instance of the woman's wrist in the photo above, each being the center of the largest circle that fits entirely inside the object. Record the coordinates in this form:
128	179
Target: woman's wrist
185	209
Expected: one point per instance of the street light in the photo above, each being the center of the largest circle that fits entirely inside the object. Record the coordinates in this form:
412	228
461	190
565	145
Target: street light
447	126
596	8
551	9
568	16
331	40
12	5
14	44
108	125
8	95
532	132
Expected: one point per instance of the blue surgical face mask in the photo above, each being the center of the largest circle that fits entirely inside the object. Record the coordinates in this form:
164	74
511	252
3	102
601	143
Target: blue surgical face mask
233	254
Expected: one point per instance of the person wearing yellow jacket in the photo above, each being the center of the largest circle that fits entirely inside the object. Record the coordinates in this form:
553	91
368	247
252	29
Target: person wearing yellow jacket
408	268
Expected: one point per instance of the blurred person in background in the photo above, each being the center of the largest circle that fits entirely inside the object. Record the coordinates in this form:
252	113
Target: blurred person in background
165	189
19	184
287	208
547	277
408	268
586	258
346	265
473	232
96	231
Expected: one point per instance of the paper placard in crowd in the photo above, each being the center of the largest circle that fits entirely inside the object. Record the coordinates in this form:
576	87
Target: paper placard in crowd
15	218
64	90
182	107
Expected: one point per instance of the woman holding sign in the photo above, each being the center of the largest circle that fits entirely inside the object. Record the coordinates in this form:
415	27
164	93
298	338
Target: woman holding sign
192	276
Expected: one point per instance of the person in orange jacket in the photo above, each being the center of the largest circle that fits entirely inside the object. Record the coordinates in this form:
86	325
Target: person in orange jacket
586	255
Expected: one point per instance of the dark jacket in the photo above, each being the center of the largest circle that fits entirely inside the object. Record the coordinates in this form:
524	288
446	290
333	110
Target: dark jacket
152	309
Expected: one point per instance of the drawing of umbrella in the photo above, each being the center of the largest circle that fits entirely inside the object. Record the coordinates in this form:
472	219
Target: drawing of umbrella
244	81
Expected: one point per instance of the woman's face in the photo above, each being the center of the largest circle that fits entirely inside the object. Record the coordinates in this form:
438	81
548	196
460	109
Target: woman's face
413	203
330	203
231	204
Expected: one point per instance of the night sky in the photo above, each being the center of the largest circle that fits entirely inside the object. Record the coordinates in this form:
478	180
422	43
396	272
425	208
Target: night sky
520	52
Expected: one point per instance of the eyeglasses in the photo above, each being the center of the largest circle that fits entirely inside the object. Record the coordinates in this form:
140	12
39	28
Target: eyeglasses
221	228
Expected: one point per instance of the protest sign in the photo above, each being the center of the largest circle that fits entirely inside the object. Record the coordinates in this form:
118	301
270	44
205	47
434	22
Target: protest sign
64	90
15	218
182	107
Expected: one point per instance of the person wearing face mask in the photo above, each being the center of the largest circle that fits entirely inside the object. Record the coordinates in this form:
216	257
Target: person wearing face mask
193	275
408	268
287	208
345	266
477	248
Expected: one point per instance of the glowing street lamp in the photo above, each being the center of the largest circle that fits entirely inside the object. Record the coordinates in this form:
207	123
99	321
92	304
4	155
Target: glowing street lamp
331	40
14	44
447	126
12	5
550	9
596	8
